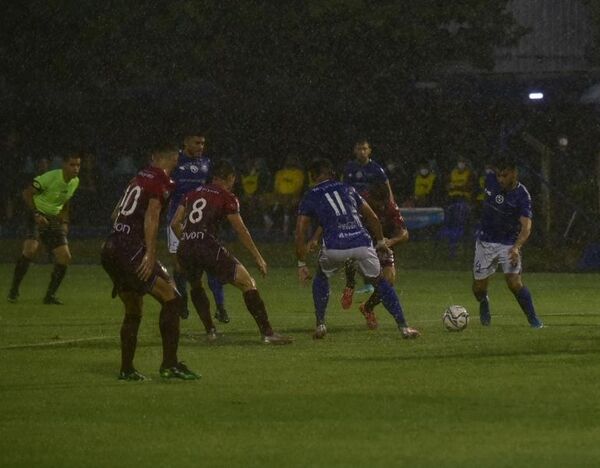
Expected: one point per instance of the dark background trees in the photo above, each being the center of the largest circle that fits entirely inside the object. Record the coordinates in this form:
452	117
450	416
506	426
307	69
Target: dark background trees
265	77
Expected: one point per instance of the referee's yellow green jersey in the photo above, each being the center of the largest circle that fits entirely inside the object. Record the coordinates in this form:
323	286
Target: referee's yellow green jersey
52	192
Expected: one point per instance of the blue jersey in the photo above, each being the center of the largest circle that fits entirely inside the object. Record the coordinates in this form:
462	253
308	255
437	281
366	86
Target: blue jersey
361	176
334	205
189	174
502	210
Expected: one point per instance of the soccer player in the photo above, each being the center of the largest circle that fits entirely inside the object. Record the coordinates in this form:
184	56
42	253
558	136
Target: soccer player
193	169
395	233
196	223
505	227
47	221
129	258
337	208
360	173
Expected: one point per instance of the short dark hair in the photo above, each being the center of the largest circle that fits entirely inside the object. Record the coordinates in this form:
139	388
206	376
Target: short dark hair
362	141
505	162
223	168
163	149
378	191
320	166
76	154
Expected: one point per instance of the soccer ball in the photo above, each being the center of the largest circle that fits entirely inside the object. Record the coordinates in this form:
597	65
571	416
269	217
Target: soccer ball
455	318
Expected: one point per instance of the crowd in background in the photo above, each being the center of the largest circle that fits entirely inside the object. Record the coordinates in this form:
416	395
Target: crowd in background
269	188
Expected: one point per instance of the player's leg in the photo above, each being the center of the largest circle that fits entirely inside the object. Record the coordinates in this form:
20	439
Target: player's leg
62	259
181	284
350	274
368	308
202	306
216	288
129	333
523	297
255	305
369	265
485	263
30	248
172	304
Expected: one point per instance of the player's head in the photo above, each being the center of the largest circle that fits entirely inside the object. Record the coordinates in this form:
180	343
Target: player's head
321	169
165	156
193	145
362	150
71	164
424	169
223	173
378	195
506	172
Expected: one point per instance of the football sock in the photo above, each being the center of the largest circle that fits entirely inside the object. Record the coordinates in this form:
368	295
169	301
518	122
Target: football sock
524	299
168	321
372	302
129	332
217	290
350	272
390	300
56	278
181	285
256	307
484	303
21	268
320	291
202	305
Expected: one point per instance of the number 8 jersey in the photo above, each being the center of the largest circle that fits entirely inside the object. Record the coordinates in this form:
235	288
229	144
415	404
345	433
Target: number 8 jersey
205	208
151	182
334	205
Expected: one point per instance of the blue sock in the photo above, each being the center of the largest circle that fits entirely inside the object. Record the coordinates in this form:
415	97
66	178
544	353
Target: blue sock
390	300
523	297
181	284
320	291
217	290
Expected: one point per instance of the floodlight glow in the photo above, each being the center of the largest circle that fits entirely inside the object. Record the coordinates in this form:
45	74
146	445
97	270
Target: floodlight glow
536	96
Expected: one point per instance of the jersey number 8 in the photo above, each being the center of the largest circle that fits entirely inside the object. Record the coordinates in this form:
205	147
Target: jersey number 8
196	213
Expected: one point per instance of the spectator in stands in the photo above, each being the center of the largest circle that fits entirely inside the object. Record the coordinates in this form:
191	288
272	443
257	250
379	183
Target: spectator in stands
255	181
287	189
426	186
460	182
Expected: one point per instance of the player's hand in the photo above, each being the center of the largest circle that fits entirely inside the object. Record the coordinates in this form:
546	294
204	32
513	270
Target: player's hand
304	275
513	255
40	220
146	267
312	245
262	265
382	245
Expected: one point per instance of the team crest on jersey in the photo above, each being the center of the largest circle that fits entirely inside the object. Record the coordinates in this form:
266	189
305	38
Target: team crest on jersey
499	199
359	175
194	169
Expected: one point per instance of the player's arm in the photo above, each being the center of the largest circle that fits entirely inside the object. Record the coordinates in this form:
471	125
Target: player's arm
151	221
27	195
373	225
302	248
515	250
391	194
238	225
177	221
315	240
400	236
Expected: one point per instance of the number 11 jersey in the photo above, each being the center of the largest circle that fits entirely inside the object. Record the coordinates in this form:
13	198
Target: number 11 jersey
334	205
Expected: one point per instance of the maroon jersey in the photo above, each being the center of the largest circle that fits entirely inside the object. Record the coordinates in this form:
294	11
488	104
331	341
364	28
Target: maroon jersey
391	219
149	183
205	208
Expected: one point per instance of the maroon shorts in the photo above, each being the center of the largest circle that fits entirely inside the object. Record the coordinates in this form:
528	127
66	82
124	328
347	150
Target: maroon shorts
206	254
121	258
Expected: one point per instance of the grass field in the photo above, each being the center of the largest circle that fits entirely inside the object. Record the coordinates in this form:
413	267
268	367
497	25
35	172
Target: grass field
503	396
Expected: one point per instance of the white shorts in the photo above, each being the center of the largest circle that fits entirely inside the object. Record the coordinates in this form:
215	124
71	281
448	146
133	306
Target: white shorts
172	241
331	260
487	257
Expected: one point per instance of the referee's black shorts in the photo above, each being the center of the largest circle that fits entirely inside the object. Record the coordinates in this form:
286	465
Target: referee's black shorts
52	236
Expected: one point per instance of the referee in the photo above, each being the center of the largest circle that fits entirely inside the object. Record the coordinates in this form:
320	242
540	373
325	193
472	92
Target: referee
47	199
